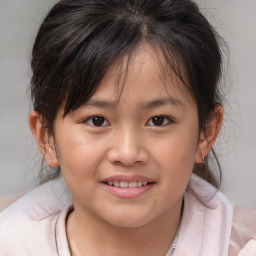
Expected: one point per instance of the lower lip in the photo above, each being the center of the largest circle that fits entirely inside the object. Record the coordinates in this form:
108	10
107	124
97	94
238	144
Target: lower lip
128	192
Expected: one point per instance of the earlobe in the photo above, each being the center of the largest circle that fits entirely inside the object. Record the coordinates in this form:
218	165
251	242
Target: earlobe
43	139
209	135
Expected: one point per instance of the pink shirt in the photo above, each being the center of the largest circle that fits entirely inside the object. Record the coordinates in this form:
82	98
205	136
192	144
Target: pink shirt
210	226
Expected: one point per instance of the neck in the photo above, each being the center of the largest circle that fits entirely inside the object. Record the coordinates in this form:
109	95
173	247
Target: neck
88	235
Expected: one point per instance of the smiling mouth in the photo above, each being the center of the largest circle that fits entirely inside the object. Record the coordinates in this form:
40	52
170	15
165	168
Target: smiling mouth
128	186
125	184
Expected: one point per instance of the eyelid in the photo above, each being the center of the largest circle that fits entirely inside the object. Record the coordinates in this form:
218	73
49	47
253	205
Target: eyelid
89	119
169	120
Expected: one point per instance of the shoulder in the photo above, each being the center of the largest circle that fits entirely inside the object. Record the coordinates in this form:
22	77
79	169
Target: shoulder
203	196
243	233
235	226
28	225
221	227
208	214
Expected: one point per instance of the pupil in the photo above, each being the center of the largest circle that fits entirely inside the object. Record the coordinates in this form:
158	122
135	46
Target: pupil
158	120
98	121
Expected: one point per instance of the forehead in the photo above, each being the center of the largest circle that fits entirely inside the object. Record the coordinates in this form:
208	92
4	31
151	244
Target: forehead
145	70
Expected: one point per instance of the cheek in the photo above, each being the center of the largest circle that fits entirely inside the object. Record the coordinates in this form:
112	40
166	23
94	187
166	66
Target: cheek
78	155
175	156
177	164
79	163
177	149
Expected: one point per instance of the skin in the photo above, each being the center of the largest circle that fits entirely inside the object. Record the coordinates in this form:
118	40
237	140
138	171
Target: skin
128	142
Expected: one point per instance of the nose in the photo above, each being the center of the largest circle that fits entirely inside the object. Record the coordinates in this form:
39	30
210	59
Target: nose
127	148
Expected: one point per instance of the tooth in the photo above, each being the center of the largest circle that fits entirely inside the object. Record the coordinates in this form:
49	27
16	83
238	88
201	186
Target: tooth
116	183
123	184
139	183
133	184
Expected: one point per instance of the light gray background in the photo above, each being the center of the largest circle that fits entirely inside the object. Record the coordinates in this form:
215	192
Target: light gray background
236	22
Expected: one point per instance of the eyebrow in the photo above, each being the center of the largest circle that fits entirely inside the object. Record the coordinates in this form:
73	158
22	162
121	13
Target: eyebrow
146	105
100	103
162	102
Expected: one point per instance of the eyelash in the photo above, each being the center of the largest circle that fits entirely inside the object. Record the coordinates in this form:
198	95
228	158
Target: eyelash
164	121
90	120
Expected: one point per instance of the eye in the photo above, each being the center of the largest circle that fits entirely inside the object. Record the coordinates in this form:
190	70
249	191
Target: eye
159	121
98	121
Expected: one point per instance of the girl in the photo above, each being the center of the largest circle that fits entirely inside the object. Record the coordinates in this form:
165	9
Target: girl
127	107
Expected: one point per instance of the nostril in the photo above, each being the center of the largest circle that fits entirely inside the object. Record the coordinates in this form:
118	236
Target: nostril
128	159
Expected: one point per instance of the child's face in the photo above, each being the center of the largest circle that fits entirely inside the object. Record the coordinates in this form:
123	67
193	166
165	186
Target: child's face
151	135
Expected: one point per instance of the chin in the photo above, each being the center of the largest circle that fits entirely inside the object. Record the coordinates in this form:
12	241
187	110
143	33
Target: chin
129	219
129	223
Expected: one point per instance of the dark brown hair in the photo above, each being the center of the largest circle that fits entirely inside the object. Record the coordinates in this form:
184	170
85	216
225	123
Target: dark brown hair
80	39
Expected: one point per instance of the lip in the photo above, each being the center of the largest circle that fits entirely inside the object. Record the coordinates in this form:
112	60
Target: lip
128	178
128	192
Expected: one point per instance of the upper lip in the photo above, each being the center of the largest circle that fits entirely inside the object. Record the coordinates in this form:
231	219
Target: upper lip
128	178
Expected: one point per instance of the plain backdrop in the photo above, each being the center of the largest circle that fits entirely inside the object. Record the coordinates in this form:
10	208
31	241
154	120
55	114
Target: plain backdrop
235	20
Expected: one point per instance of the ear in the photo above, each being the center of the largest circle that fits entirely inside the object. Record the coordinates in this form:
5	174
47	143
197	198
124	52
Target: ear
209	135
43	139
